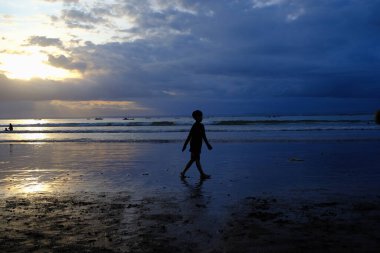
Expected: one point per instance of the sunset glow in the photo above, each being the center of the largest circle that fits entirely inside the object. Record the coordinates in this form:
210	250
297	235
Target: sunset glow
26	67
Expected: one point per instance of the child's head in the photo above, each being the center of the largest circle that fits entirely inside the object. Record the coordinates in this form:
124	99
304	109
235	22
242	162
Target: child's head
197	115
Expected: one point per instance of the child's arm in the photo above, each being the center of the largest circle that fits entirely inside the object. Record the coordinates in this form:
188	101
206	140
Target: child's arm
187	140
205	138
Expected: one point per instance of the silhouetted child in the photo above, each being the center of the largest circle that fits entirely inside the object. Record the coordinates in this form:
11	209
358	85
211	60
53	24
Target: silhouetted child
10	127
196	136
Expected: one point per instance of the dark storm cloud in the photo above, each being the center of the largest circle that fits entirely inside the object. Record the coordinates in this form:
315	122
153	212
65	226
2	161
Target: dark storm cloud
329	49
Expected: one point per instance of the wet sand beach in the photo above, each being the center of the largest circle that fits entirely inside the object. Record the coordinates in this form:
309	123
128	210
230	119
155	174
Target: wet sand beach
128	197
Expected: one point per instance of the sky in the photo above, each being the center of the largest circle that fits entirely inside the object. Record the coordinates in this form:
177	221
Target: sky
84	58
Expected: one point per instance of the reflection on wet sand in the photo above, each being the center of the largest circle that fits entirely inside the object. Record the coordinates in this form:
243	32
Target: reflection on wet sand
55	168
34	187
25	181
194	190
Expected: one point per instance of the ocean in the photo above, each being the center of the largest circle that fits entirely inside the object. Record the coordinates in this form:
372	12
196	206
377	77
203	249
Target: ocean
174	129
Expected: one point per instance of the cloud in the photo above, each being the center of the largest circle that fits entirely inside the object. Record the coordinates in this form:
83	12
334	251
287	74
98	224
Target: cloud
295	15
190	53
80	19
171	93
40	90
163	6
62	61
258	53
10	51
57	108
157	18
266	3
99	106
65	1
6	17
44	41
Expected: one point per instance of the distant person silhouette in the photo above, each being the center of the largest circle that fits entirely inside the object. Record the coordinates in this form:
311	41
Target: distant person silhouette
10	127
196	136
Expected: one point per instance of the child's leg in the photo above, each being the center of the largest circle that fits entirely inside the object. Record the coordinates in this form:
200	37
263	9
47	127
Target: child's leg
188	165
199	167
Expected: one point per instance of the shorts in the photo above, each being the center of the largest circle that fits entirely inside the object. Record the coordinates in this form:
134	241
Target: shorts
195	156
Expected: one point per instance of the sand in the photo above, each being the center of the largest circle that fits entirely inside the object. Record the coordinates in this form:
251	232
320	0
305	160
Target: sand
103	222
262	197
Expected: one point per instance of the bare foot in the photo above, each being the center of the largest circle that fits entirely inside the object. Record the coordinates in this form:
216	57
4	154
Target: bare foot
182	175
205	176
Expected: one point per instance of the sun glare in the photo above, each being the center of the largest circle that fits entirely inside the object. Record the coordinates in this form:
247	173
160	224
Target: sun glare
34	187
26	67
